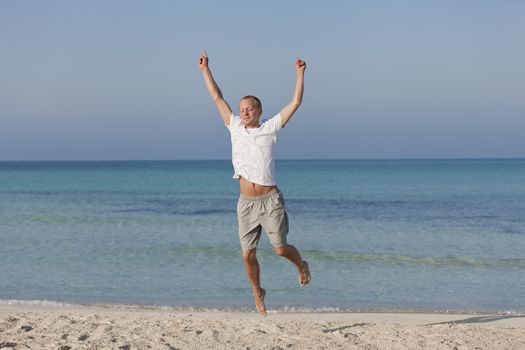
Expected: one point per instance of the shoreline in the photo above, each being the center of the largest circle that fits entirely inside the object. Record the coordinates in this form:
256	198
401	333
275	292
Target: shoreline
118	326
184	308
390	314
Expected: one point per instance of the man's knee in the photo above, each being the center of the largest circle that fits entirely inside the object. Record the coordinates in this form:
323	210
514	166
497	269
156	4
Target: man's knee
249	256
281	250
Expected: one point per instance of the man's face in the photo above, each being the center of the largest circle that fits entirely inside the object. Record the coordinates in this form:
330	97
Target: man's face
249	113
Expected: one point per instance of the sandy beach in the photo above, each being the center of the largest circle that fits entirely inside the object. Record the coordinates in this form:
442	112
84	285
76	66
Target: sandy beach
132	327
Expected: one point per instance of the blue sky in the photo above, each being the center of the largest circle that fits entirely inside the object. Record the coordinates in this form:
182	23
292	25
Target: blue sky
106	80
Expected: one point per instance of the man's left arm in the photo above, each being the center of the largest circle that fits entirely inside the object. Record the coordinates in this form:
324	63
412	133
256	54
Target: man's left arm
288	111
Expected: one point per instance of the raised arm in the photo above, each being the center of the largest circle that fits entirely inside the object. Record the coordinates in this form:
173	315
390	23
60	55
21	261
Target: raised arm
288	111
224	109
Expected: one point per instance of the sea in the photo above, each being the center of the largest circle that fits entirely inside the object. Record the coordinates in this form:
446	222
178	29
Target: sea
445	235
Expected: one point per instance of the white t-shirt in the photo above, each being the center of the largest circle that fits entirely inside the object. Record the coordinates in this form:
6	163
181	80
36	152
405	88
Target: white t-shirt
253	150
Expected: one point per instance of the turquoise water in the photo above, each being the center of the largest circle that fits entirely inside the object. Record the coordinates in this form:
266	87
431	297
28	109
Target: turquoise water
418	234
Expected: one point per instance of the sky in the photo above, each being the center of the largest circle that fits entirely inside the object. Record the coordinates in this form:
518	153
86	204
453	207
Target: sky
118	80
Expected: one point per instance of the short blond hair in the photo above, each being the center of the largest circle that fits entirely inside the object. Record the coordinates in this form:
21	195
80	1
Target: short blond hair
255	99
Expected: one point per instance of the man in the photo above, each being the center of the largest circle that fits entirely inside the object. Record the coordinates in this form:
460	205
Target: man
261	204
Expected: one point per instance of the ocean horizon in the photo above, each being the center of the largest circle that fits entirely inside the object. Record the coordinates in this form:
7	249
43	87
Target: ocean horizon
459	158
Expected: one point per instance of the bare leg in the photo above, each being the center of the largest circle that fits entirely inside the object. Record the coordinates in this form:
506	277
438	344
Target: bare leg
251	265
291	253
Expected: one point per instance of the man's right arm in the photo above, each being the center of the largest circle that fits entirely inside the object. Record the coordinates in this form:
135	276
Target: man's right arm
224	109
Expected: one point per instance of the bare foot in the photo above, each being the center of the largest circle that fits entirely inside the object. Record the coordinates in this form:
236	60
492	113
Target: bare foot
304	276
259	302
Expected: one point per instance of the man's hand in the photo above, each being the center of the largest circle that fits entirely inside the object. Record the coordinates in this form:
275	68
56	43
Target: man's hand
300	65
202	61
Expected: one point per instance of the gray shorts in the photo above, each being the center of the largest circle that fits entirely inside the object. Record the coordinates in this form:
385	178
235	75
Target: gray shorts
266	212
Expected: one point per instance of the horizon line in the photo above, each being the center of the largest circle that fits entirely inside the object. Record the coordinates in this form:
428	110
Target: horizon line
277	160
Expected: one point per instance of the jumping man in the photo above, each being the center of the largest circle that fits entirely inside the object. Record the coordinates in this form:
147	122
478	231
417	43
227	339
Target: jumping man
261	204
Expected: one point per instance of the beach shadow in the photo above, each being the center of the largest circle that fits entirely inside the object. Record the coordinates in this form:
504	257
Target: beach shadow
331	330
480	319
